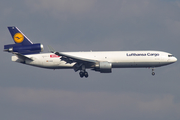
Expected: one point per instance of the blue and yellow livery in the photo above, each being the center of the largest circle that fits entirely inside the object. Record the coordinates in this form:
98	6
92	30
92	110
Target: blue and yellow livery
22	44
100	61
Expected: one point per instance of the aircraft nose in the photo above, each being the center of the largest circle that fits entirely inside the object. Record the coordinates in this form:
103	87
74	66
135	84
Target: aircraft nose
172	59
175	59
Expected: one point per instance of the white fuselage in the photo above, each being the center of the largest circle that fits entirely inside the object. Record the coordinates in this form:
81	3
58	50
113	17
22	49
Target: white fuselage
119	59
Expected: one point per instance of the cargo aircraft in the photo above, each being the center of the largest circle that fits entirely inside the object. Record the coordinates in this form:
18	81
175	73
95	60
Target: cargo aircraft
27	52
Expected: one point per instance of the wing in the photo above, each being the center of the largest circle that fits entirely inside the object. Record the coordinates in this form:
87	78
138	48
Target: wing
71	59
74	59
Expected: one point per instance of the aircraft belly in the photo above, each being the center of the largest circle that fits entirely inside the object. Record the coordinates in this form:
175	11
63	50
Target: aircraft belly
135	64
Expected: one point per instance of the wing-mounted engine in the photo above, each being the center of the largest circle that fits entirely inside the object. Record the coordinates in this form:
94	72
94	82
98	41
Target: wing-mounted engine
24	49
103	67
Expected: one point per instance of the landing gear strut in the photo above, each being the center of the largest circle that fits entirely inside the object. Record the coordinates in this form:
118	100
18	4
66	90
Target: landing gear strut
153	73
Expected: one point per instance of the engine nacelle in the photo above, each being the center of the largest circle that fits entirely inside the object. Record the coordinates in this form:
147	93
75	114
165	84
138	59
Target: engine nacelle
103	67
24	49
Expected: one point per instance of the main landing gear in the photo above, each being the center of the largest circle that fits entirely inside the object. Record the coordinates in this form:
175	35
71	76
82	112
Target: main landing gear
83	74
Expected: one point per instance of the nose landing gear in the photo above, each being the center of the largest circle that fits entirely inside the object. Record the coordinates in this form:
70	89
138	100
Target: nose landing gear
153	73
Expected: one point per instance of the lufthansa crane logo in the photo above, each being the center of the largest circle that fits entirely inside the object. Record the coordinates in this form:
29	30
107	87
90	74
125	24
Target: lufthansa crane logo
18	38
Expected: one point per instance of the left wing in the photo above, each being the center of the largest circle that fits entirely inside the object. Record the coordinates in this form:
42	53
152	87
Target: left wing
74	59
71	59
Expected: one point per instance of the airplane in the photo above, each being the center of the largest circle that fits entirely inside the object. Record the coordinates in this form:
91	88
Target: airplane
29	53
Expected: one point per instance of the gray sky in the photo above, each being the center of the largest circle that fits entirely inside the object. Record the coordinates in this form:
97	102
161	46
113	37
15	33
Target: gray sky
81	25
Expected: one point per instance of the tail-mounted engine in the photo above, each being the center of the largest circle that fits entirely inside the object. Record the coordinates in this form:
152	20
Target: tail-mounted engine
24	49
103	67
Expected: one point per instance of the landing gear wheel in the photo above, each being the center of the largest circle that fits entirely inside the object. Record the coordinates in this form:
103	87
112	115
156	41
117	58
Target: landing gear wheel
86	74
153	73
81	74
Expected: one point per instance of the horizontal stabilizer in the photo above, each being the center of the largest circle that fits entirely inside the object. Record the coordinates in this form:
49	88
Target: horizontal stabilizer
22	57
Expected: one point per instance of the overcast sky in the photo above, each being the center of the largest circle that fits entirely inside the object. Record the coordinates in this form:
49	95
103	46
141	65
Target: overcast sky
30	93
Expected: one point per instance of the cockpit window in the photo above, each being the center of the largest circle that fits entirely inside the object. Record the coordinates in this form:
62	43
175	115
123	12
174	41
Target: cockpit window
170	55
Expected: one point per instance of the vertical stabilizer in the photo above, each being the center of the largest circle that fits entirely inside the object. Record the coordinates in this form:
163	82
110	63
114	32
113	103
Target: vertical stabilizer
18	36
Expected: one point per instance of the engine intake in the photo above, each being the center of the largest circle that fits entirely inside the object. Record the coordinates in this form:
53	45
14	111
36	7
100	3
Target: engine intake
103	67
